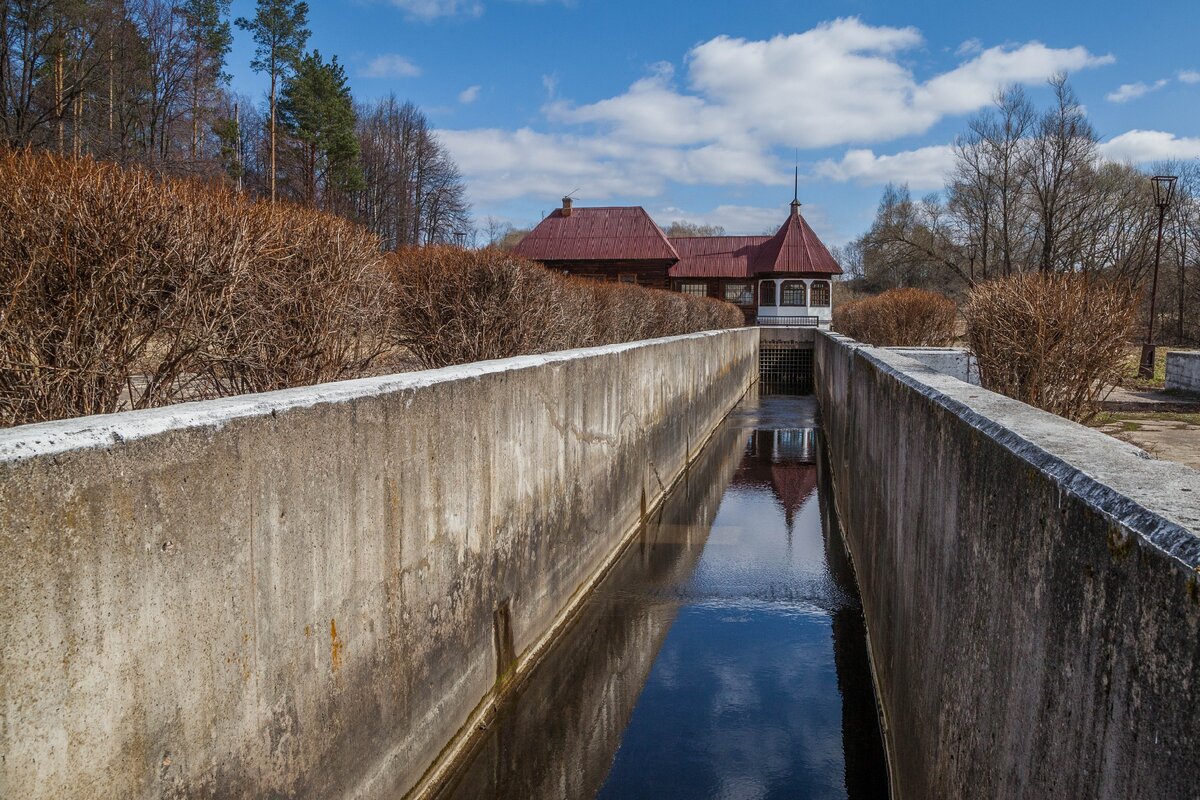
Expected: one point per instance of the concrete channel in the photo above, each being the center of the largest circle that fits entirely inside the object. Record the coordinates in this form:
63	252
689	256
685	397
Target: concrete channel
725	653
601	573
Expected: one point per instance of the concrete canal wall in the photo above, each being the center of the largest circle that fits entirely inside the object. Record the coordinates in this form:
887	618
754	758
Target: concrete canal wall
1030	587
1183	371
310	592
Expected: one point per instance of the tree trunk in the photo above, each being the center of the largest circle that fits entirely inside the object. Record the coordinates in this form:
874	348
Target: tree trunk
1182	293
59	111
112	96
195	114
274	76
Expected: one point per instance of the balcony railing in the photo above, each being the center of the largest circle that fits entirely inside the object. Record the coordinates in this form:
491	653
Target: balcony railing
789	322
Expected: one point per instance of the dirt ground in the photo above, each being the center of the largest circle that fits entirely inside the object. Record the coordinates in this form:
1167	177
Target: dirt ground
1164	424
1165	435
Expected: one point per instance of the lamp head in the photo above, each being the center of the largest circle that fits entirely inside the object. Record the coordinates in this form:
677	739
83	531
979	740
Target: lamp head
1164	190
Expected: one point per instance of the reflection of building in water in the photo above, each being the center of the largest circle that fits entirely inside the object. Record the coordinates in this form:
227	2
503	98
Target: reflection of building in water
782	461
558	732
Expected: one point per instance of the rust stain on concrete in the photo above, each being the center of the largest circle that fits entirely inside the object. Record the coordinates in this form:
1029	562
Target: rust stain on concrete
335	647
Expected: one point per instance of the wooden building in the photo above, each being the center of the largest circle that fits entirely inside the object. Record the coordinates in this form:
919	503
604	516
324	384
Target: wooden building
784	279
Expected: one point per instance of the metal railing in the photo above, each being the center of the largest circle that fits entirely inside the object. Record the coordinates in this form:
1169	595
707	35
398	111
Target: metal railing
788	322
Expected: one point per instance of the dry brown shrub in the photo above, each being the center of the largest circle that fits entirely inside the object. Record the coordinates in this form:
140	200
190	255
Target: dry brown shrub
455	306
118	290
309	304
898	318
1054	341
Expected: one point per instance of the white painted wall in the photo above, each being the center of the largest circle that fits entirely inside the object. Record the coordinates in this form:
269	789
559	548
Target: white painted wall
824	314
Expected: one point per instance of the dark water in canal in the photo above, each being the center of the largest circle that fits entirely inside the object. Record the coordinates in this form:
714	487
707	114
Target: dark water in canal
723	657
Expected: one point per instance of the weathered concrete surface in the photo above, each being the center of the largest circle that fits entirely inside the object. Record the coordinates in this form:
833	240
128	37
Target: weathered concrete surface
1183	371
1029	584
303	593
794	335
957	362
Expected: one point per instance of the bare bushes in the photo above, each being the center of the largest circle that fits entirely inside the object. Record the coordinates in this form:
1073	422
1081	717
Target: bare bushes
455	306
898	318
1053	341
308	304
119	290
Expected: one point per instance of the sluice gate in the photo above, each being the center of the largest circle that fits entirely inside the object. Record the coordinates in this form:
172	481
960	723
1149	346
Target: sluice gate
785	359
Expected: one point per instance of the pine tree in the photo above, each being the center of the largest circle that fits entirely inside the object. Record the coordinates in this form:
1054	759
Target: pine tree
317	111
210	40
280	29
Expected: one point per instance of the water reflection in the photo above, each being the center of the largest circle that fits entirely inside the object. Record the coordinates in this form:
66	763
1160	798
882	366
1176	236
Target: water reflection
724	656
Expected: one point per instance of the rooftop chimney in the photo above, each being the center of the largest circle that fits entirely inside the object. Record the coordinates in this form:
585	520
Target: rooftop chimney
566	209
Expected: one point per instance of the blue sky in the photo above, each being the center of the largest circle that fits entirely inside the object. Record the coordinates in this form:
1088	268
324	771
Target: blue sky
696	111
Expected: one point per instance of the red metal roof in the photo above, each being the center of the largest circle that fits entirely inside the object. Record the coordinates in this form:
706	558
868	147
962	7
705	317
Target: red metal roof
796	248
627	233
597	234
716	256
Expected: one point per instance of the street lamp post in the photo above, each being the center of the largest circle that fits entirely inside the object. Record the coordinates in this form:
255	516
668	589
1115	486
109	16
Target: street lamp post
1164	192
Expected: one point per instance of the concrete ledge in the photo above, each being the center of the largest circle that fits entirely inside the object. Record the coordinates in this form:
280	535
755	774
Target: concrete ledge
1030	587
957	362
309	592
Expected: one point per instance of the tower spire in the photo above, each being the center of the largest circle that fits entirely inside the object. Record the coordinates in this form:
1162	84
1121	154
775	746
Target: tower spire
796	189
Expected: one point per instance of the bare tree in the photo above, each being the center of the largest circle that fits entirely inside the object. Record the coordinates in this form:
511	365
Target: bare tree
47	60
681	227
1059	162
280	29
413	192
1003	134
912	245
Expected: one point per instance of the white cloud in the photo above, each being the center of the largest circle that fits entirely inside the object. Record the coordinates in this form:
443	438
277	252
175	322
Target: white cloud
1140	147
736	220
391	65
1189	76
432	9
969	47
924	168
841	82
503	165
972	84
928	167
469	95
428	10
722	117
1131	91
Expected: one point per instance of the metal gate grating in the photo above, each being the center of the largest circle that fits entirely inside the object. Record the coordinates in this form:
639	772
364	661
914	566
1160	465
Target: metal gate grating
785	366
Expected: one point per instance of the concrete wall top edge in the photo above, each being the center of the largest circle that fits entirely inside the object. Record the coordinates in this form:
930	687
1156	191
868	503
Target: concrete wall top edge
102	430
1158	500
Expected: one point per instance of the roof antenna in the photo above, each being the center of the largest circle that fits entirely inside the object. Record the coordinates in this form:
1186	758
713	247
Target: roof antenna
568	201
